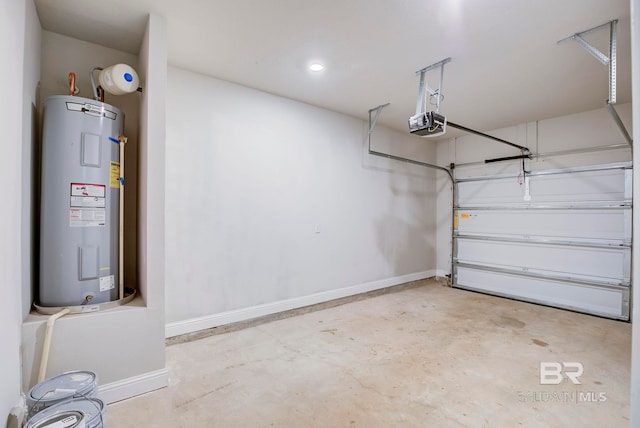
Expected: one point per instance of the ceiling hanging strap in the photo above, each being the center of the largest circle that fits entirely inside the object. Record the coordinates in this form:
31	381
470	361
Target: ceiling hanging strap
439	94
609	61
424	87
612	61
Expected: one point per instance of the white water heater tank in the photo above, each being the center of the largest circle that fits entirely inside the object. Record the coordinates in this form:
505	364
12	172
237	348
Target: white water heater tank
79	202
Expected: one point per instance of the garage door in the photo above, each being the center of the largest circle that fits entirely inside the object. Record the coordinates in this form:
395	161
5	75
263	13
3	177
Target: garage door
559	237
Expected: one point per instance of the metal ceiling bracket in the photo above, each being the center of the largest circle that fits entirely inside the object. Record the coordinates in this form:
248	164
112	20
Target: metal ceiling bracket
613	50
377	110
425	87
591	49
610	61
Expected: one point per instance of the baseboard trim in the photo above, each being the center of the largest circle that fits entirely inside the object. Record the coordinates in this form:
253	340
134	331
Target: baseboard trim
202	323
132	386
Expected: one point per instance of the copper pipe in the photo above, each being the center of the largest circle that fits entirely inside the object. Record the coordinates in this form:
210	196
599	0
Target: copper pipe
72	83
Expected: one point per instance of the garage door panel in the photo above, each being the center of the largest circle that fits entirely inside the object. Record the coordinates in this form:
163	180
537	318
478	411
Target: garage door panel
578	187
611	265
490	192
592	224
608	302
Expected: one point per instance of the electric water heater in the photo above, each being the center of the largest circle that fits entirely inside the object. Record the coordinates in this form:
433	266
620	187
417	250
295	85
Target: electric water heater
79	202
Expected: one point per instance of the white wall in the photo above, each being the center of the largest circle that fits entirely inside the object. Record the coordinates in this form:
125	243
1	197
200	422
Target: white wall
12	46
30	153
577	131
270	199
151	216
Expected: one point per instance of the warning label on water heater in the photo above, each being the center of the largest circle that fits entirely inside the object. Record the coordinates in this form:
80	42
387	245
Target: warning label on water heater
87	217
87	205
114	175
107	283
83	189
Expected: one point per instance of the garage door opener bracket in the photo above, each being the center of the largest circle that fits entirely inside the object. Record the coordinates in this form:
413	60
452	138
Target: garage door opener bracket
608	60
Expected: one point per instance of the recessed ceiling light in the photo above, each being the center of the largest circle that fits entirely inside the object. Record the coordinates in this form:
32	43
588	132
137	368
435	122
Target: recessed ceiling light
316	67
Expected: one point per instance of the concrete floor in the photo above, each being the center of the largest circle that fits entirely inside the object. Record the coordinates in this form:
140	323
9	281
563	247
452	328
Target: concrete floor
424	356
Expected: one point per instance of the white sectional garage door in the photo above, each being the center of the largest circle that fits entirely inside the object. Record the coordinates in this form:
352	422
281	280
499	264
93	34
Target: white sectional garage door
561	238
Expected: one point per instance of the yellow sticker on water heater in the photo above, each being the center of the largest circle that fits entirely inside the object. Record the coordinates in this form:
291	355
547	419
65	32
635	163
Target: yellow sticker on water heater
114	176
465	216
455	221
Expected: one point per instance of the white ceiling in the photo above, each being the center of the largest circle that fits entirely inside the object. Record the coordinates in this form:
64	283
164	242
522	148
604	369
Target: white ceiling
506	66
